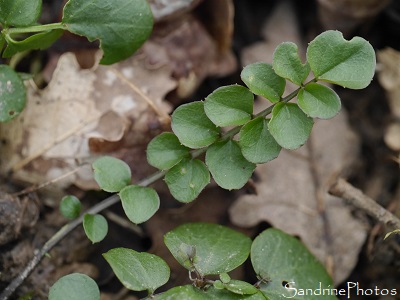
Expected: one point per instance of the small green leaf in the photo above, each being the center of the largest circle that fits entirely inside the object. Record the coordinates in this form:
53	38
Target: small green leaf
70	207
192	126
122	26
229	105
40	41
227	165
138	271
189	292
287	63
263	81
20	13
241	287
289	125
225	278
111	174
139	203
219	285
95	226
12	94
219	249
333	59
319	101
165	151
74	286
187	179
282	260
257	144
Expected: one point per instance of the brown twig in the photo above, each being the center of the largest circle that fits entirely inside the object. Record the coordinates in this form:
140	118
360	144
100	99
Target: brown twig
341	188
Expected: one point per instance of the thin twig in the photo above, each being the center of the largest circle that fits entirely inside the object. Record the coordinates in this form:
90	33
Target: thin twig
341	188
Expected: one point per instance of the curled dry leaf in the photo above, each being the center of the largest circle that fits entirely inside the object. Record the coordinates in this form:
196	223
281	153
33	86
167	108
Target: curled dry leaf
82	113
291	194
346	15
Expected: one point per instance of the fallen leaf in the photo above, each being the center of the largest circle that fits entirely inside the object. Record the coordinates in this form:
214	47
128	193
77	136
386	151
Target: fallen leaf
292	195
83	113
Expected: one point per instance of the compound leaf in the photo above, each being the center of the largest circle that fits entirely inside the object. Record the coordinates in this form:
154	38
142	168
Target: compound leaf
227	165
287	63
12	94
95	226
333	59
165	151
20	13
287	266
218	249
318	101
289	125
187	179
257	144
229	105
139	203
192	126
74	286
138	271
111	174
122	26
263	81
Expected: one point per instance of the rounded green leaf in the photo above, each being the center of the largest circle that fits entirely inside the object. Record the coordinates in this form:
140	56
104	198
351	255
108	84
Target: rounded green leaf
12	94
95	226
287	63
241	287
122	26
227	165
282	260
70	207
192	126
40	41
187	179
139	203
257	144
138	271
229	105
111	174
218	249
189	292
20	13
165	151
74	286
263	81
289	125
318	101
333	59
225	278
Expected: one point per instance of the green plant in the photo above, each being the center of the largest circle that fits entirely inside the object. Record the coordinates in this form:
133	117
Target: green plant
96	20
197	129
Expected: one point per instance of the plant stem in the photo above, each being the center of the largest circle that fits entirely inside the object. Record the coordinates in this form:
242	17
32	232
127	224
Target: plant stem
106	203
36	28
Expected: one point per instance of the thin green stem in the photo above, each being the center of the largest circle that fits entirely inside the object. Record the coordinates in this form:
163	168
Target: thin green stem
36	28
106	203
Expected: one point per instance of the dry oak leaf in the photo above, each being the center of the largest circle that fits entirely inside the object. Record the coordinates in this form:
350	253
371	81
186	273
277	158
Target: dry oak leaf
83	112
292	195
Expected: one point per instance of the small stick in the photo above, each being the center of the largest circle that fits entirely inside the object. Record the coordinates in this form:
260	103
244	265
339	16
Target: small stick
341	188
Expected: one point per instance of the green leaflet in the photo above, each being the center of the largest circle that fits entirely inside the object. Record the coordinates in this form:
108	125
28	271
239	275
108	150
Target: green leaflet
333	59
263	81
122	26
